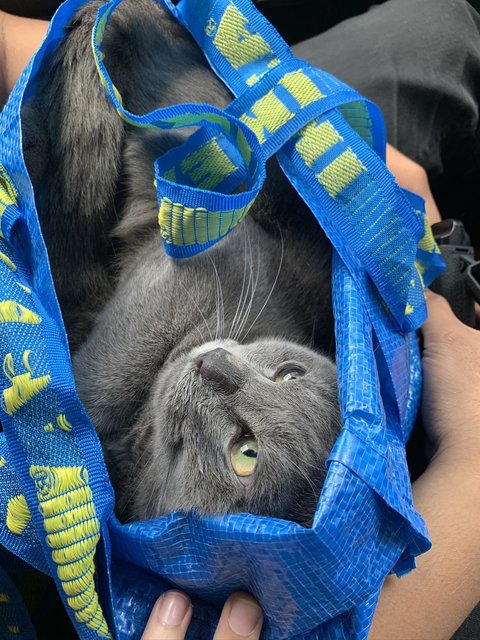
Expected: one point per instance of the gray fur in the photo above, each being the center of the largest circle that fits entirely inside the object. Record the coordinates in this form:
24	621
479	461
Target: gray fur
140	322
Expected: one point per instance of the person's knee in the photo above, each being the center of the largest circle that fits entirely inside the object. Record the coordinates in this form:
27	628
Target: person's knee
397	38
434	33
418	60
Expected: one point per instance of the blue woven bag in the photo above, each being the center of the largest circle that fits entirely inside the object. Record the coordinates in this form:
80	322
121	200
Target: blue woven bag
56	500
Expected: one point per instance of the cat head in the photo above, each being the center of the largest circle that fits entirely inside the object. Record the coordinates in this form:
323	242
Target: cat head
240	428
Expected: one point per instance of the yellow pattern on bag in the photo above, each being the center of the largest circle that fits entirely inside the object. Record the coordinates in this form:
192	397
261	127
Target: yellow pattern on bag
73	530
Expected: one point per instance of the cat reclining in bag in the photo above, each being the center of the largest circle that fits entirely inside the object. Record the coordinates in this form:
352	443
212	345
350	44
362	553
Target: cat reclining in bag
201	375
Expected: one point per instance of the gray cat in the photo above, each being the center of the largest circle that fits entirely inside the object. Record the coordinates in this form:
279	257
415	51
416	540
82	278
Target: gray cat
201	376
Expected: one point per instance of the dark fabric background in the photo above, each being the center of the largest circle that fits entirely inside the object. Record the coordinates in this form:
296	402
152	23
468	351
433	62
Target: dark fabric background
295	19
306	19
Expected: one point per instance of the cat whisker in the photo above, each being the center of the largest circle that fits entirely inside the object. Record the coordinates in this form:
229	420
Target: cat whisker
304	474
272	287
199	311
148	509
139	480
332	343
232	326
312	337
249	285
252	288
219	302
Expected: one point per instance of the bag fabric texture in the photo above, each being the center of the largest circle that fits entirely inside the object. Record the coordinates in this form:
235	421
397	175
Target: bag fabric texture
56	500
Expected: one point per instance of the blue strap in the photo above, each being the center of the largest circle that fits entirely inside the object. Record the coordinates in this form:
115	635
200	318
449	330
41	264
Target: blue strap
292	109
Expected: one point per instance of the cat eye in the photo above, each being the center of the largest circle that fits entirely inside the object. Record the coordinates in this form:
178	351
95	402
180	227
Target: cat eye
289	372
244	456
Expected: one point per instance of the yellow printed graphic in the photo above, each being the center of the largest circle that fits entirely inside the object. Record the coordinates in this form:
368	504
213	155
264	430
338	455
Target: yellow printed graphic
24	288
3	462
11	311
269	113
301	88
63	423
235	42
48	428
4	258
340	173
171	175
210	27
24	386
102	25
427	242
208	165
420	269
177	223
244	147
4	597
8	195
315	140
18	514
73	530
184	226
13	628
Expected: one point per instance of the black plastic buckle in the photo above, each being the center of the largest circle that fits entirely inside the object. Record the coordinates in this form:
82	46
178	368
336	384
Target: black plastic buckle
460	283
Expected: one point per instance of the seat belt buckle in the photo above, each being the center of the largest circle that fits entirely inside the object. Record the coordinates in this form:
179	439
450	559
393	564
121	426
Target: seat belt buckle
460	282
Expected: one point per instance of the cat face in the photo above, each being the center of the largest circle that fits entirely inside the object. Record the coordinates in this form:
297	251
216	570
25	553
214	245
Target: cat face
240	428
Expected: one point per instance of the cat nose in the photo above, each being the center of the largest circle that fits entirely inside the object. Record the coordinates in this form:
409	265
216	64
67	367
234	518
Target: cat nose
221	367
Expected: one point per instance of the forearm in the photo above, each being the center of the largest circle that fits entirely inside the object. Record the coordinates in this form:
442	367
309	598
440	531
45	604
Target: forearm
431	602
413	177
19	39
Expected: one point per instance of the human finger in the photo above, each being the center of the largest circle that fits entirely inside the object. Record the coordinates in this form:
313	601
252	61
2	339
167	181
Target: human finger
170	617
241	618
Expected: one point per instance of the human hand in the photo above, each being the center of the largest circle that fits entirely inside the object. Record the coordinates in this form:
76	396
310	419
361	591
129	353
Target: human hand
241	618
410	175
451	369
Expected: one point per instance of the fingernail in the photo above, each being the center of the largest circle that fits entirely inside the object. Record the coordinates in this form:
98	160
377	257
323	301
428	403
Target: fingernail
173	608
244	616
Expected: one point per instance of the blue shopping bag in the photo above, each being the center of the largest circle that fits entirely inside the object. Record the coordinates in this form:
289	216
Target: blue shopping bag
56	499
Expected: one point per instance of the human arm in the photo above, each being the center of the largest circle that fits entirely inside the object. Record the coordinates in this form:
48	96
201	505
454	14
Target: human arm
431	602
19	39
410	175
